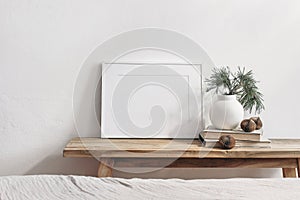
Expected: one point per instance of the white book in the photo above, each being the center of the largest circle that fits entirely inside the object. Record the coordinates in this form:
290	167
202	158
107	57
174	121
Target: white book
213	133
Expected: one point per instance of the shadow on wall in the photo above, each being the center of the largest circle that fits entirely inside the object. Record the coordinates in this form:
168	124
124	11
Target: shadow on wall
67	166
204	173
55	163
89	167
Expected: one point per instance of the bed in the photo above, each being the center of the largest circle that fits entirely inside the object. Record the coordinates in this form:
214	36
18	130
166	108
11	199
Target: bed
81	187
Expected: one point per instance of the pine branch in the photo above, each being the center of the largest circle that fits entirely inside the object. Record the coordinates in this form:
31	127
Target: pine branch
219	78
241	84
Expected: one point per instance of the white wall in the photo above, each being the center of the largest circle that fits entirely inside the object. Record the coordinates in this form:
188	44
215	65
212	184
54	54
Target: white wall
44	43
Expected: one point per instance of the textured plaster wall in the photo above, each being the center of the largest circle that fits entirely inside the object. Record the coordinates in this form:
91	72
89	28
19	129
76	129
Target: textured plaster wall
44	43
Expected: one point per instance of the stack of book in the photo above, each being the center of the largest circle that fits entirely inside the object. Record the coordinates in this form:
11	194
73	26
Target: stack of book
243	139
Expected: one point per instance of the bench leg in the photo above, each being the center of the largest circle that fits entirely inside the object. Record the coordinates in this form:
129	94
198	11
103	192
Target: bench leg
298	169
289	172
105	167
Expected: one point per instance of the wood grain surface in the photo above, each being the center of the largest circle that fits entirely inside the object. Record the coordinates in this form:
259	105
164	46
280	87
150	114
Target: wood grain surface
168	148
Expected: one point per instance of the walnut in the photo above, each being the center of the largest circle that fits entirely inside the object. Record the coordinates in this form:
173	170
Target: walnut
227	141
248	125
258	122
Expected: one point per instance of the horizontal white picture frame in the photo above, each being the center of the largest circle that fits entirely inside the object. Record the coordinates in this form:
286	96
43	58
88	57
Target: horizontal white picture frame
151	100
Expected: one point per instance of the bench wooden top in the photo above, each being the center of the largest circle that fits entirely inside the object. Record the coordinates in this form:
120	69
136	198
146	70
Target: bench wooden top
168	148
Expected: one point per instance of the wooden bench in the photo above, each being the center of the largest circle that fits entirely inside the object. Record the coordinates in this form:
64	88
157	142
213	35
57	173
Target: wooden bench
177	153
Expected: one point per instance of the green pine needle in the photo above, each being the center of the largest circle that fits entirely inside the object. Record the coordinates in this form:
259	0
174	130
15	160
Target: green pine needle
240	83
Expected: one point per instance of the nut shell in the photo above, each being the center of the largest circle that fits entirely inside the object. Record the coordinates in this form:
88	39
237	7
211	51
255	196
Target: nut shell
248	125
258	122
227	141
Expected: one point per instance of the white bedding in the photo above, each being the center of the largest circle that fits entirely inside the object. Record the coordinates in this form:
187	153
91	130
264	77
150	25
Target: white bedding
79	187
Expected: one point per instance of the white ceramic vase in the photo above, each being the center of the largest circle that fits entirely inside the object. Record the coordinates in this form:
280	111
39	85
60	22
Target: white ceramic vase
226	112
